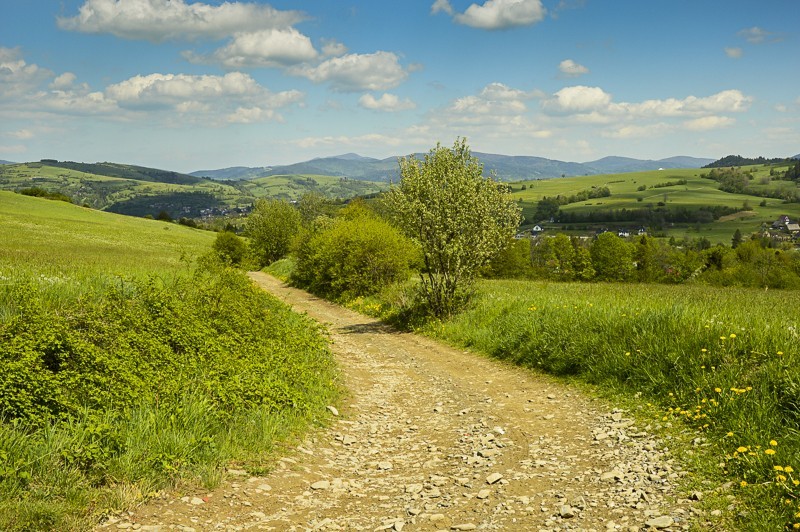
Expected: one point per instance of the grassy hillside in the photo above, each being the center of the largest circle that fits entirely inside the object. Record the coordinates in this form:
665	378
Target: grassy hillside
128	366
645	190
56	238
291	187
137	191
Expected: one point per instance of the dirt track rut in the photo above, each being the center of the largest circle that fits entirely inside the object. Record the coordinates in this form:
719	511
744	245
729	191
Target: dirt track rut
435	438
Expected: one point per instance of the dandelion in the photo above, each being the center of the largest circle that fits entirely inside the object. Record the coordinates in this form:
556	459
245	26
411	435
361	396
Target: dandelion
778	468
780	353
781	478
796	483
729	434
718	390
788	469
704	350
769	451
722	338
773	443
732	335
743	483
741	449
627	353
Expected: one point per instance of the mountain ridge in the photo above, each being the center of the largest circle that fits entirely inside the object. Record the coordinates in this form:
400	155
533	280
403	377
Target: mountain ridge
505	167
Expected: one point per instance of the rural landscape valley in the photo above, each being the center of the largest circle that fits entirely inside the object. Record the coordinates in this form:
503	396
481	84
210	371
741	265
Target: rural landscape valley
450	265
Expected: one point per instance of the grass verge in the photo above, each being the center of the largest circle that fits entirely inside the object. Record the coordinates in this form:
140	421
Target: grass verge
723	364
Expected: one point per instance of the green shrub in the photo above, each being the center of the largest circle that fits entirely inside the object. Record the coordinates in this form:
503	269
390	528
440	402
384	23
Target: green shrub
353	255
229	248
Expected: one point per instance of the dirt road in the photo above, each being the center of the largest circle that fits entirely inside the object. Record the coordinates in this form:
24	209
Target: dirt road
434	438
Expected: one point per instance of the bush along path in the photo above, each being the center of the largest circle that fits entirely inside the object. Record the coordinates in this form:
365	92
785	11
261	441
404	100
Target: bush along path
434	438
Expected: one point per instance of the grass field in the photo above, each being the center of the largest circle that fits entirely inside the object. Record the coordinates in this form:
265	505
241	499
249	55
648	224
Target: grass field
718	368
127	366
101	192
695	193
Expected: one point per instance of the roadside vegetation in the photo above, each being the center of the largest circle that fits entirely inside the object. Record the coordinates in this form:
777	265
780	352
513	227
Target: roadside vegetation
129	366
671	329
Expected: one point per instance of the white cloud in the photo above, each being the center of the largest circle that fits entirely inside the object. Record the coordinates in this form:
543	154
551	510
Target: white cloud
734	53
235	95
499	14
709	122
250	115
636	131
442	6
356	72
160	20
570	68
63	81
267	48
333	48
22	134
387	102
594	104
18	77
578	99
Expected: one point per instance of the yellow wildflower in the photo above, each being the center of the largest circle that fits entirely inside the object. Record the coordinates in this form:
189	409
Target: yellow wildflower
778	468
769	451
780	353
773	443
742	449
733	335
729	434
718	390
743	483
788	469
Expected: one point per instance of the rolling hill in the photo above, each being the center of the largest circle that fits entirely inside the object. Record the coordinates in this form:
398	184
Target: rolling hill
505	167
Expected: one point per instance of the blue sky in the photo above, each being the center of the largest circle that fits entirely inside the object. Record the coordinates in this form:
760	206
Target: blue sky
188	85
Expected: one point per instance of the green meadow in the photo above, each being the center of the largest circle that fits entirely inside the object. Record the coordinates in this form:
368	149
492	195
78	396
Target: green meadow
695	193
716	369
291	187
133	362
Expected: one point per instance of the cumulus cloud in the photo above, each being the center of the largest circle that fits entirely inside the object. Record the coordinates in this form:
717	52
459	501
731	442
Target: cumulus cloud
495	14
332	48
235	95
734	53
636	131
63	81
709	122
356	72
161	20
596	104
18	77
387	102
266	48
570	68
578	99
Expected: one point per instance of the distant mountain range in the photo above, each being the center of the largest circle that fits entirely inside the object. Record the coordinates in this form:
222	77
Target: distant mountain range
506	167
6	162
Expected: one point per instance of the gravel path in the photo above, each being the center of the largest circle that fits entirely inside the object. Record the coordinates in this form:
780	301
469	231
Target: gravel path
434	438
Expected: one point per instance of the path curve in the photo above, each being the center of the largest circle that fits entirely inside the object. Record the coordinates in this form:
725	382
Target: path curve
436	438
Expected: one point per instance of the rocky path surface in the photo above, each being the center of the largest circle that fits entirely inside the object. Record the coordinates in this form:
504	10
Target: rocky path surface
434	438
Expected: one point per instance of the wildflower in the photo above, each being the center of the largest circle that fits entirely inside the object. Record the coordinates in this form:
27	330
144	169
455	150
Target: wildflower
781	478
627	353
769	451
742	449
704	350
743	483
729	434
718	390
773	443
788	469
780	353
778	468
796	483
722	338
796	526
733	335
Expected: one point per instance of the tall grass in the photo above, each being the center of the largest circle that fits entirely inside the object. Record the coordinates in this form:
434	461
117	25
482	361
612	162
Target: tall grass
722	362
127	366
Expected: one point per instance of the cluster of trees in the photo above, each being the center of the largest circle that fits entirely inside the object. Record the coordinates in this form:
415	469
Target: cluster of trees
444	219
650	216
738	181
548	206
752	263
738	160
39	192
